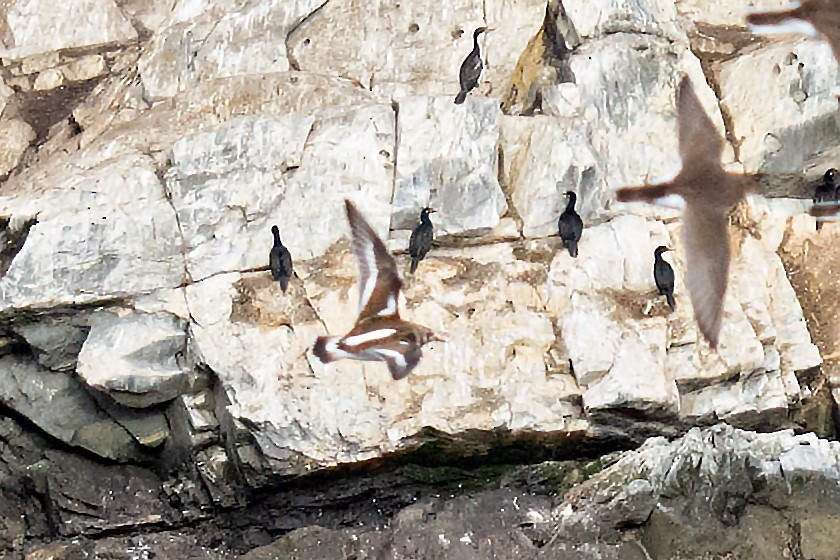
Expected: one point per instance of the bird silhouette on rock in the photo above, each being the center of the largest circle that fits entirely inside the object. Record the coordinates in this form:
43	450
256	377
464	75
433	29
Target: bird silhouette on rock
421	239
570	225
280	261
471	68
826	191
663	275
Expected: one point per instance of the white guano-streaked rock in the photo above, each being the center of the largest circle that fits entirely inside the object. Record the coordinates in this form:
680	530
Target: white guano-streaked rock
89	241
376	44
257	340
543	158
649	17
448	159
17	137
633	114
282	172
42	26
782	101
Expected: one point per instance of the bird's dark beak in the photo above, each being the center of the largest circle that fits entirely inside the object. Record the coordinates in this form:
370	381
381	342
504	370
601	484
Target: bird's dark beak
668	249
432	210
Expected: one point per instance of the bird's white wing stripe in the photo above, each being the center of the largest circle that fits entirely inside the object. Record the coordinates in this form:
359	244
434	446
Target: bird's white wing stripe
372	273
368	337
390	306
789	26
397	356
671	201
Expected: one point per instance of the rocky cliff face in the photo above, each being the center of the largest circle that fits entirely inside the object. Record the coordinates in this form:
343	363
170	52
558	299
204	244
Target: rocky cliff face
148	148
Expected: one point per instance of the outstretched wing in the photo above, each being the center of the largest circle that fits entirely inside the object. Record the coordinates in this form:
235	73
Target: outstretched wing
706	241
645	193
701	144
400	362
379	279
826	212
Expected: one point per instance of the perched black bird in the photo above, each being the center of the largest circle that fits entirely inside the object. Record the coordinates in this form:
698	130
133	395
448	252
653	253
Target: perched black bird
663	275
379	335
827	190
280	261
421	239
570	225
470	69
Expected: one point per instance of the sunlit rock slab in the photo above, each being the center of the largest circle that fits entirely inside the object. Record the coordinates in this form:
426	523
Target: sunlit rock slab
230	185
41	26
311	416
205	41
414	48
448	159
105	233
136	358
782	100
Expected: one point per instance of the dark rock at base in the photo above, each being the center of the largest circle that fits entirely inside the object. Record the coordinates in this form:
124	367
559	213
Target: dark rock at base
87	498
714	493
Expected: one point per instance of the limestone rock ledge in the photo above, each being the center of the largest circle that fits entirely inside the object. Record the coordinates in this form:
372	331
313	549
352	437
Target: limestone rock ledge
148	147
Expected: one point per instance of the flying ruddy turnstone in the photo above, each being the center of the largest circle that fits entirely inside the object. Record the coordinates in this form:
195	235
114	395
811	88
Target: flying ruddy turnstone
709	191
280	260
421	239
379	334
570	225
811	17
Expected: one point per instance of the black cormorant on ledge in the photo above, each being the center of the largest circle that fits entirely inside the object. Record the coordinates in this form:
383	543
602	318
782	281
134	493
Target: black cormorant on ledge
663	275
570	225
470	69
421	239
280	261
826	190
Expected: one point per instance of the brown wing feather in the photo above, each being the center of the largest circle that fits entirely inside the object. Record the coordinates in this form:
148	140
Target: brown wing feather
700	142
707	254
646	193
826	210
379	279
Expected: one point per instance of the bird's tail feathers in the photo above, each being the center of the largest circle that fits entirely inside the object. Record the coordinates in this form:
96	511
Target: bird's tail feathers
647	193
571	245
461	97
323	349
284	283
671	303
414	262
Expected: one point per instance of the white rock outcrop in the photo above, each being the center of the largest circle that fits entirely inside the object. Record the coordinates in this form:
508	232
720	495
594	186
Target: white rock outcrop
138	359
142	212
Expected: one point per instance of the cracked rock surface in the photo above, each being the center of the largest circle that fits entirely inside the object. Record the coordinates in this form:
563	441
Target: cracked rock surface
157	394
